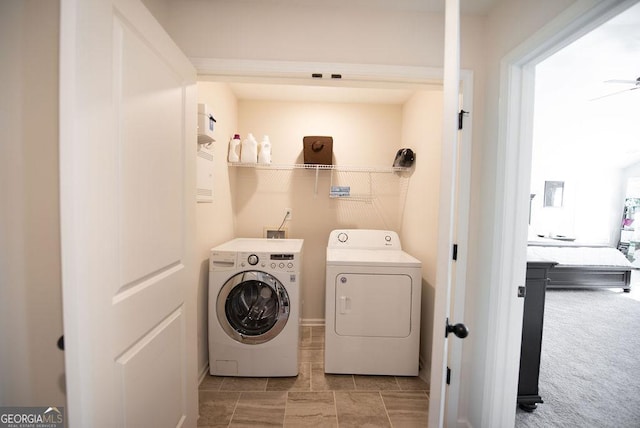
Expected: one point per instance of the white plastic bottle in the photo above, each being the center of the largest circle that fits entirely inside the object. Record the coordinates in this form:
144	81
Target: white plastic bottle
249	152
234	149
264	154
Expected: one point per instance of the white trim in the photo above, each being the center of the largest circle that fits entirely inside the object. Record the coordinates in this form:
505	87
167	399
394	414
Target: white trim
448	176
220	67
463	212
512	183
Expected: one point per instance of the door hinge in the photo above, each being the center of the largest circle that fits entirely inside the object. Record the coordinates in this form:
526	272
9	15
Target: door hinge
460	118
522	291
448	376
454	254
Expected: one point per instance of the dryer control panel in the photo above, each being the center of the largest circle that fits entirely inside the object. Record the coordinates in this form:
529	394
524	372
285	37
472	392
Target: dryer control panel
364	239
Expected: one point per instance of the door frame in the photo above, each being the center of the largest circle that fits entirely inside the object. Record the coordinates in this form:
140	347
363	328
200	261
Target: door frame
515	137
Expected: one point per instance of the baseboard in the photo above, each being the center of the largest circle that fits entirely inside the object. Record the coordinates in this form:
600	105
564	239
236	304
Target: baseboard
425	370
463	423
204	371
312	322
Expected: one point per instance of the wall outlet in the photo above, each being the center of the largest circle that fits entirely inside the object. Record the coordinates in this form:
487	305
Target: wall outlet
289	214
274	233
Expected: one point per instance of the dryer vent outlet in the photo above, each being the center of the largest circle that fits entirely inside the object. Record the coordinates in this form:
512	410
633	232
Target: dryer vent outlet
275	234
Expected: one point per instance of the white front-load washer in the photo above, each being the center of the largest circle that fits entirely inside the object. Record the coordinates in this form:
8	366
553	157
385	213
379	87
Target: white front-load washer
254	307
372	306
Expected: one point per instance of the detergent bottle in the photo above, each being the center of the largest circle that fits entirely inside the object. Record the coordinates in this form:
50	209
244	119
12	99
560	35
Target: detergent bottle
264	155
234	149
249	152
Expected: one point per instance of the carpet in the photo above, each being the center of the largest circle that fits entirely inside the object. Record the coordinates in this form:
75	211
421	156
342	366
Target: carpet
590	368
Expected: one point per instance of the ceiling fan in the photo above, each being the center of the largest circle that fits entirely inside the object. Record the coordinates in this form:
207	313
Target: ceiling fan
635	83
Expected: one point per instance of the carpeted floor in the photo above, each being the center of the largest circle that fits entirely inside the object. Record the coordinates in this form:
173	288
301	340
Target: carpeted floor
590	369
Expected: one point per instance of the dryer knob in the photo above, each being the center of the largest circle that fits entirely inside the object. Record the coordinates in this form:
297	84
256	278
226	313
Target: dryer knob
253	260
342	237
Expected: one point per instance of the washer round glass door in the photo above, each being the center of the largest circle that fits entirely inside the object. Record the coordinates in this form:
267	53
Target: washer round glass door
252	307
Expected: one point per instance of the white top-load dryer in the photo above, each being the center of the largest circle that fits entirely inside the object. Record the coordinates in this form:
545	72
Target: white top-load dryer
372	307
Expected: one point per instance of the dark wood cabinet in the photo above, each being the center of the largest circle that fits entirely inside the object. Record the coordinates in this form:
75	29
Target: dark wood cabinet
532	323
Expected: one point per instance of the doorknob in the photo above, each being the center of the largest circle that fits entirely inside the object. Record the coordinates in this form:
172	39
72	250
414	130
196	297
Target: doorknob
460	330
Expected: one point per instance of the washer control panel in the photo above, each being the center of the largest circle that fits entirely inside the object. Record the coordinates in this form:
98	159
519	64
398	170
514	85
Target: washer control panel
285	262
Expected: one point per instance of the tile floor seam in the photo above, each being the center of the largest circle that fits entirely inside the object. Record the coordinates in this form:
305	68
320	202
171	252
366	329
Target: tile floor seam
335	407
235	406
386	411
286	405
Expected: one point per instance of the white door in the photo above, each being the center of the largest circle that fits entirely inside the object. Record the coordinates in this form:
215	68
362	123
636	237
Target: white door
441	397
127	161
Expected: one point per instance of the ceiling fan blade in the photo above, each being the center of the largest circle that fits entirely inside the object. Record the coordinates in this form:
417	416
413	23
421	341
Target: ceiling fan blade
629	82
615	93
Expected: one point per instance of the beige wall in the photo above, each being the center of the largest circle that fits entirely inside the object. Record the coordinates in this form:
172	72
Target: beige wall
363	134
31	366
306	31
215	221
422	130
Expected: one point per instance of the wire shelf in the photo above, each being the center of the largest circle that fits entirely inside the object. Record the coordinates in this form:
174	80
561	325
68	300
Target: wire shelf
317	167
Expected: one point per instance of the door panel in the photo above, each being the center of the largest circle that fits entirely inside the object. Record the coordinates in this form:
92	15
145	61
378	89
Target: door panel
149	127
155	363
373	305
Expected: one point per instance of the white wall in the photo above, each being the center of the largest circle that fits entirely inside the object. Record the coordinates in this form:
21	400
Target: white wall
31	366
215	221
592	206
631	171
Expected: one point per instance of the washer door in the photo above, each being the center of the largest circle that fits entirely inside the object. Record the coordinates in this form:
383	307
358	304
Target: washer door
253	307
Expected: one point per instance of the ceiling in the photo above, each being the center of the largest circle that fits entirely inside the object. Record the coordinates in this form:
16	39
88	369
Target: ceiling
576	117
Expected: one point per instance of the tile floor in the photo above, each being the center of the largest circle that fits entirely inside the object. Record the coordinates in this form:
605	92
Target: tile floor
313	398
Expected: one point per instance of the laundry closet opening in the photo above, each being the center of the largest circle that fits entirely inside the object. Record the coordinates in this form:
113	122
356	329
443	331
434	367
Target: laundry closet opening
369	121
